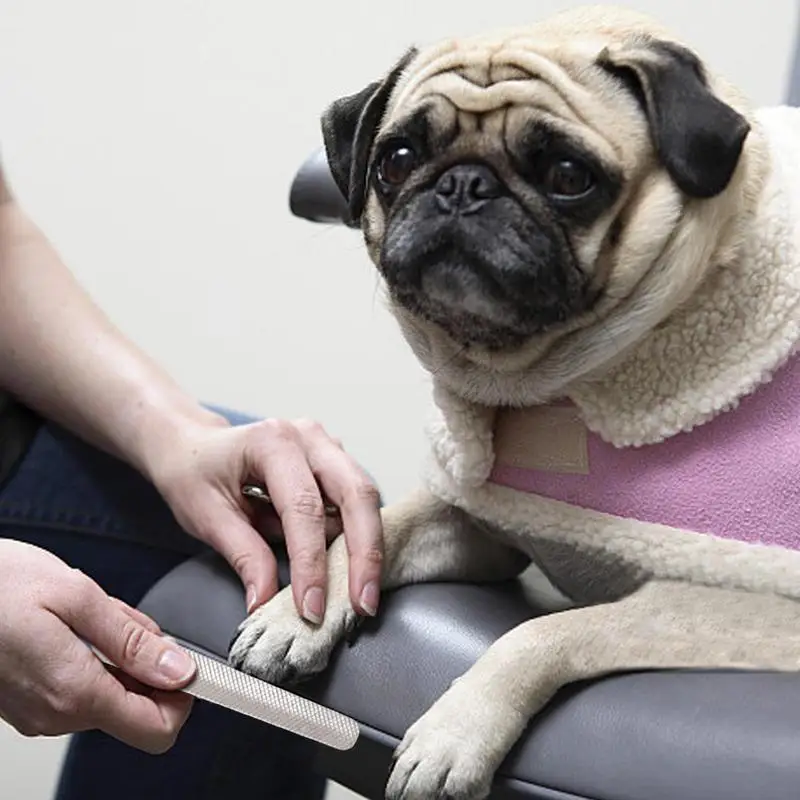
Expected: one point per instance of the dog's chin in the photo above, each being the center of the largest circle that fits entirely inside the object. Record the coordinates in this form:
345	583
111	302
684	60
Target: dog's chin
471	309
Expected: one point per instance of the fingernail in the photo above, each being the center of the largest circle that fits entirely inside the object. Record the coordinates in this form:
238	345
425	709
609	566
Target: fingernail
369	598
175	665
314	605
251	598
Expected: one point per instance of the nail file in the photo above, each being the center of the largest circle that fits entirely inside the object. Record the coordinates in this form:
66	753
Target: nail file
218	683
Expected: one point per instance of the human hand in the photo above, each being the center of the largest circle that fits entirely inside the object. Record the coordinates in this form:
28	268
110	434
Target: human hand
52	684
201	473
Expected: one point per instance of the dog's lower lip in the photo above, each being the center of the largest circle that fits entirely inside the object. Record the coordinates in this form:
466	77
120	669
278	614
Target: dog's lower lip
451	264
499	324
465	293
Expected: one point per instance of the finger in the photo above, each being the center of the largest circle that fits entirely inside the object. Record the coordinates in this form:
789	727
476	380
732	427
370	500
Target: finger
125	641
149	722
243	547
269	525
278	459
130	683
358	500
134	613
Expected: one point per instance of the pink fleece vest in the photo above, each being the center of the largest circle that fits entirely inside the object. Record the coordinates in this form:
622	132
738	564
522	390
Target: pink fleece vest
737	476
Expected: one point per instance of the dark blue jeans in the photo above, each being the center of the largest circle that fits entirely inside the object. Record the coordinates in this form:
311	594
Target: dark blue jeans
103	518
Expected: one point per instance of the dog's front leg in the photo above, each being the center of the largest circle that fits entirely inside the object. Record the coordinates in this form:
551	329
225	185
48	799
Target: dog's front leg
455	748
424	539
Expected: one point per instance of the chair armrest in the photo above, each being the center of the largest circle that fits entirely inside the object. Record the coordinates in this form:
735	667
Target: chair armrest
647	736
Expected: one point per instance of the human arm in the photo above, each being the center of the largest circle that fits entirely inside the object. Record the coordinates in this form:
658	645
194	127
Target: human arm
61	355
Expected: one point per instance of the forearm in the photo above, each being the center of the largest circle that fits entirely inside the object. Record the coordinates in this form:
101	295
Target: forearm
62	356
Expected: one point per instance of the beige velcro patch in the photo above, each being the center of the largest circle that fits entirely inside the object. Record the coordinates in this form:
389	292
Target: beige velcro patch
547	438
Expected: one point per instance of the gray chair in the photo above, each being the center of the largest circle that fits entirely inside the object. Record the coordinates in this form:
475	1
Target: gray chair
695	735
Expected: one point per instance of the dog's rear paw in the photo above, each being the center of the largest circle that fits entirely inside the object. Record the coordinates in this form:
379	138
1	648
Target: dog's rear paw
277	645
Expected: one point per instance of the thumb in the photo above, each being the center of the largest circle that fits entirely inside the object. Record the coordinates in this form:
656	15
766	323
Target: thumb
128	643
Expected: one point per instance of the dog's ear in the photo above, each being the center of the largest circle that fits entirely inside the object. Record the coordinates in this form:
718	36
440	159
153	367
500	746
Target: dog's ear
349	126
698	137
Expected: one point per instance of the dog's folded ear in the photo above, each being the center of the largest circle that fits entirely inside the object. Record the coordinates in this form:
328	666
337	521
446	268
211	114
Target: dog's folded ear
349	126
698	138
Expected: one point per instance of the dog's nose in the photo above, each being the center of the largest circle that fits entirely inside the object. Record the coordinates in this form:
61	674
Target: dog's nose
466	189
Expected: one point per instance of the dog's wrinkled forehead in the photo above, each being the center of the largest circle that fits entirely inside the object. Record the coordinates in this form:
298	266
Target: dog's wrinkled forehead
491	89
481	76
546	61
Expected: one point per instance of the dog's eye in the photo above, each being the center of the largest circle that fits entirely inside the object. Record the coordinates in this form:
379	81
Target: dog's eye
396	165
567	179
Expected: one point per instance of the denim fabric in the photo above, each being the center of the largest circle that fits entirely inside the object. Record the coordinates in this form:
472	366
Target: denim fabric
102	517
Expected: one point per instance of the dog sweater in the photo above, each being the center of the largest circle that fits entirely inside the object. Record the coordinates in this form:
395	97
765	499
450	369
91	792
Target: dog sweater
736	477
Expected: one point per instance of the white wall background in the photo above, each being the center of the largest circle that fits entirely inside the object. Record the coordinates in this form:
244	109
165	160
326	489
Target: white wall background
155	142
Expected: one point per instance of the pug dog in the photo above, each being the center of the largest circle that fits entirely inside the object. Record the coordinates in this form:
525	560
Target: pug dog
592	243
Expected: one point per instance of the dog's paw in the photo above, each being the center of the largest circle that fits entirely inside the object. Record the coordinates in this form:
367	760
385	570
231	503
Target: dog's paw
277	645
452	751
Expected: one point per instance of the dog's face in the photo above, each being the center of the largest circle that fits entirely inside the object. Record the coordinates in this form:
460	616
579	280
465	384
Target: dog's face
516	189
